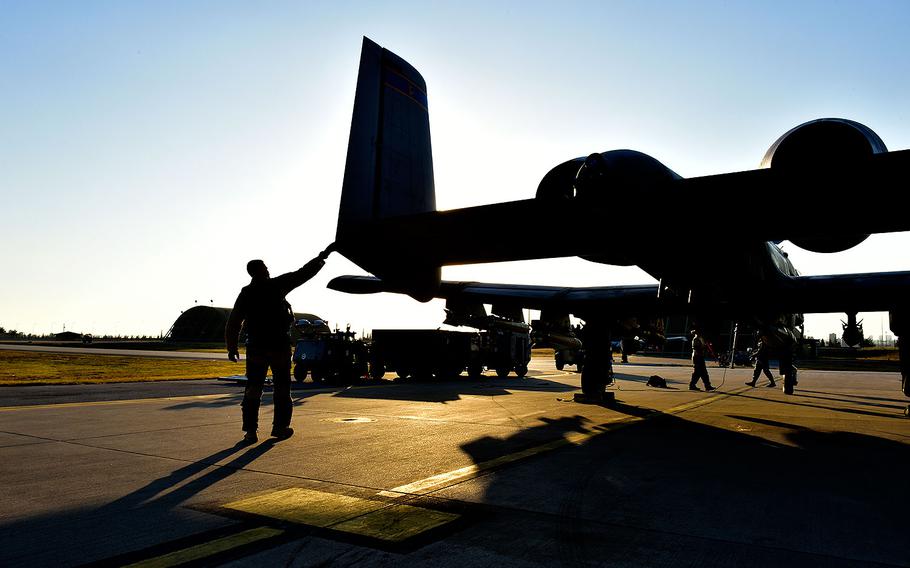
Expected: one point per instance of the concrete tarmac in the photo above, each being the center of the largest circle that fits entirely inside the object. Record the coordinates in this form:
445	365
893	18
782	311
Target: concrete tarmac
505	472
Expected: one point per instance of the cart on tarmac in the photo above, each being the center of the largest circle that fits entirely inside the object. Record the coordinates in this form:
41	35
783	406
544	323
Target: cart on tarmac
333	357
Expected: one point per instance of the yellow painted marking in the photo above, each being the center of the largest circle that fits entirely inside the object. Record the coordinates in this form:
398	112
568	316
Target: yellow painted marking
436	482
396	523
306	506
374	519
209	548
110	402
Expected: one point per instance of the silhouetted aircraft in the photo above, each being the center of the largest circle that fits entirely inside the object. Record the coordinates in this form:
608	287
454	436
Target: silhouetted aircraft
718	268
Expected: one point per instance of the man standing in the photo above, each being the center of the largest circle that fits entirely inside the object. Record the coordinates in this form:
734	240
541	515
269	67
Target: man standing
266	316
698	361
761	362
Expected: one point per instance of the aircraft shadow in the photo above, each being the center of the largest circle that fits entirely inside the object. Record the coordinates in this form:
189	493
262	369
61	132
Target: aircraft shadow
669	491
434	390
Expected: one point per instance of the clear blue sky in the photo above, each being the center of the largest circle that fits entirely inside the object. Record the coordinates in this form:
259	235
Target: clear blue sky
149	149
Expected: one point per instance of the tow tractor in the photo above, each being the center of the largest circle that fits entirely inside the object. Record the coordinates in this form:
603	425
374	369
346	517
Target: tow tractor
334	357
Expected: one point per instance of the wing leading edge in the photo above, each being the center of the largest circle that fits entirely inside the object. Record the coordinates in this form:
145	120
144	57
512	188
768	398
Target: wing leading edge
804	294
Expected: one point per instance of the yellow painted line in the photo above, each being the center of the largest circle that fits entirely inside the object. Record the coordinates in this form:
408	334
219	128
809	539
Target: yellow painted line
306	506
375	519
110	402
436	482
207	549
396	523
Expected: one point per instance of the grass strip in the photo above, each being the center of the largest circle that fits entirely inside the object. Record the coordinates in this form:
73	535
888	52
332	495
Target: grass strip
36	368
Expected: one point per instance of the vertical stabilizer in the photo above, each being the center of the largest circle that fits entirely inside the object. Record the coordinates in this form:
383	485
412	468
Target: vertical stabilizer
389	167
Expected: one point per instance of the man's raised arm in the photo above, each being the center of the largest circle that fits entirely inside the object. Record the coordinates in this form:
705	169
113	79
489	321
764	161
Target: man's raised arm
294	279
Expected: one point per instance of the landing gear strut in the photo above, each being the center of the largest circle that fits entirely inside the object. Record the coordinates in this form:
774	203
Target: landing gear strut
788	370
598	368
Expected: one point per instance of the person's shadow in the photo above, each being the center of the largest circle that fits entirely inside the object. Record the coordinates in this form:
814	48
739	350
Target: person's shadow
140	519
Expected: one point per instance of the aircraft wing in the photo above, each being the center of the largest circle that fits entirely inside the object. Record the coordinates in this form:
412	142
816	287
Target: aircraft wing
804	294
520	230
621	301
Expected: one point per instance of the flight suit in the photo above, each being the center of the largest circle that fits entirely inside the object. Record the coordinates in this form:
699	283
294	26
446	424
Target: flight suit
761	364
698	361
266	316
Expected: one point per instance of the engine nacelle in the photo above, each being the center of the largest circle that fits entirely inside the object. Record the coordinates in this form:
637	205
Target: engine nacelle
597	179
824	143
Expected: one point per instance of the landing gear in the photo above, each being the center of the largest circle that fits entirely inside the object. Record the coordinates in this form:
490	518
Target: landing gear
788	370
789	382
597	372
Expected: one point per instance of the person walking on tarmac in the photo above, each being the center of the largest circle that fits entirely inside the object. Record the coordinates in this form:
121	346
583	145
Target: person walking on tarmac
266	316
698	360
761	362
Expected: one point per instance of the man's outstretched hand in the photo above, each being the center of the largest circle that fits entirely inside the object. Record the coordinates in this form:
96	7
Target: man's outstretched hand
328	250
234	356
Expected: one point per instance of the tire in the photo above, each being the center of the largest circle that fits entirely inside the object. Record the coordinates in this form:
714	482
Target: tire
502	372
579	367
521	371
475	370
592	383
789	383
299	373
377	370
560	361
403	373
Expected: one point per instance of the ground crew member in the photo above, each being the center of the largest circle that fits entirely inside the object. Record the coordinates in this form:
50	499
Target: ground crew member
761	362
698	361
266	316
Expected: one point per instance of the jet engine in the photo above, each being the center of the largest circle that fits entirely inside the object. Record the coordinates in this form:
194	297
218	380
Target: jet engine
819	144
599	178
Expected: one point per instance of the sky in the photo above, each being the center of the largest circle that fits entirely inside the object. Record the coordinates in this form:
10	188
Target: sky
148	150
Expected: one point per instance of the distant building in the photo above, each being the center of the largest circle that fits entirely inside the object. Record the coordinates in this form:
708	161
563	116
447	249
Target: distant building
68	336
833	340
206	324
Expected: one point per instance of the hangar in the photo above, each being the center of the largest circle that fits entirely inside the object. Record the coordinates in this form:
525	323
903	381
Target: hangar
206	324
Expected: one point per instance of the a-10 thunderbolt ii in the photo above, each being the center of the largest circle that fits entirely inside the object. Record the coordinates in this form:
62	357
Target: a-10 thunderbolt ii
812	175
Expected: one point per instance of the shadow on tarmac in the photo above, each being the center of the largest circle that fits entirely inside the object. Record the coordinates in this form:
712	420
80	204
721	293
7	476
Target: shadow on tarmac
298	396
434	390
669	491
142	518
796	397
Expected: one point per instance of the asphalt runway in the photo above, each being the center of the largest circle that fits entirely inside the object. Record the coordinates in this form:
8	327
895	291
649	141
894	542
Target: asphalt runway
504	472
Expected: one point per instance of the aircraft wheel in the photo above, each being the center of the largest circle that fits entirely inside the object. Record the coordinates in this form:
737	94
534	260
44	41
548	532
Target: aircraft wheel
299	373
560	361
403	373
475	370
789	383
521	371
592	383
579	367
502	372
377	370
